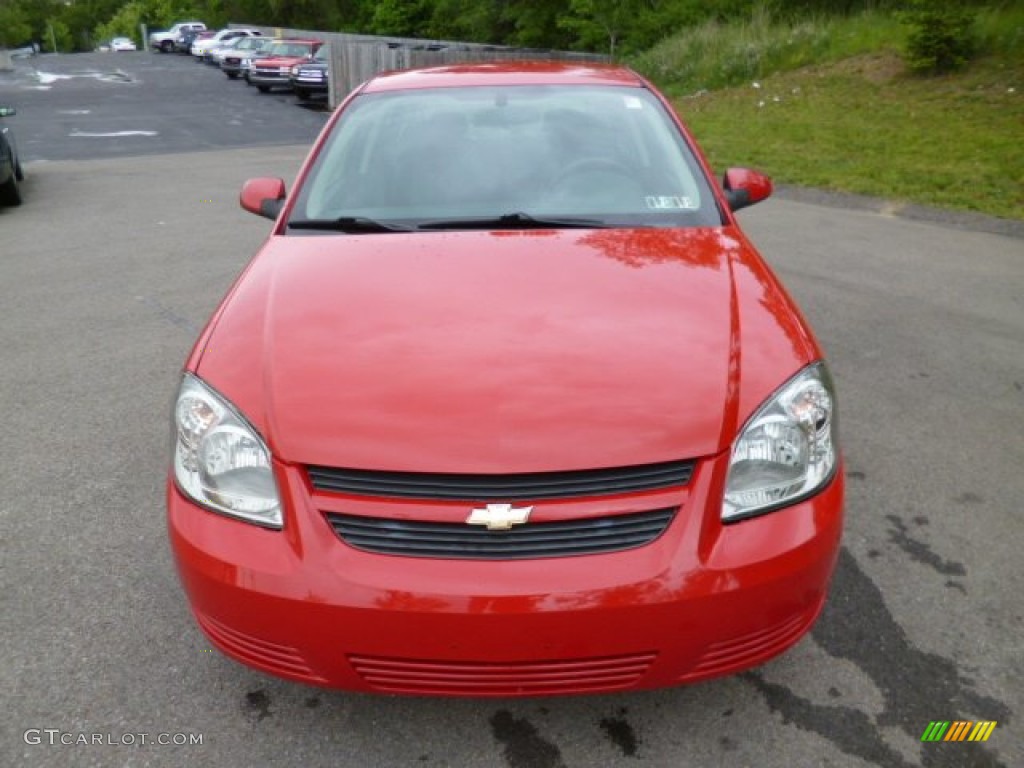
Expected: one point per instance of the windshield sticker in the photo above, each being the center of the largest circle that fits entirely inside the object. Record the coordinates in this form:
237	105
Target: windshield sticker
670	203
632	102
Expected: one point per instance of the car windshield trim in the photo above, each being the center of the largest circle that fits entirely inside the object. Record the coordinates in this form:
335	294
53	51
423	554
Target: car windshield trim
546	156
349	224
515	220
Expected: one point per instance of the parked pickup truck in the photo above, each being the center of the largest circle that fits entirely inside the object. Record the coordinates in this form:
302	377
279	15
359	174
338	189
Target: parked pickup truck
164	41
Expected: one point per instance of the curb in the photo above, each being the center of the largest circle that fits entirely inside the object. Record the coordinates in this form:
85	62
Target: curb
963	220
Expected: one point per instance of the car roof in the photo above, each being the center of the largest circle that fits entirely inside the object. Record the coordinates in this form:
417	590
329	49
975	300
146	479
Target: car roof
506	73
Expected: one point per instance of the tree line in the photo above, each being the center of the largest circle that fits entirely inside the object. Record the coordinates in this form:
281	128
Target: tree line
619	27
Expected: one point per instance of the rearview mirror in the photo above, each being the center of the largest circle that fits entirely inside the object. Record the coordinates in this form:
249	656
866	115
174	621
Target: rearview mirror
264	197
745	187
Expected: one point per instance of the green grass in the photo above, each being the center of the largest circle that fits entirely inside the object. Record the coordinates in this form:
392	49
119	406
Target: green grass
716	55
836	109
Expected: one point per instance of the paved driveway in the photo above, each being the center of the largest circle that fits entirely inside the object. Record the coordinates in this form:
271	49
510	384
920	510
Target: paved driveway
105	105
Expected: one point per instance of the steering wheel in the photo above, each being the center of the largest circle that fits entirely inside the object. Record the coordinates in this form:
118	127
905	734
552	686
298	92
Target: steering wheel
592	165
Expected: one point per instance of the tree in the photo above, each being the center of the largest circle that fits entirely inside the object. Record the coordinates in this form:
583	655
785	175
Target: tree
124	23
58	34
534	23
600	24
469	20
15	28
402	18
941	37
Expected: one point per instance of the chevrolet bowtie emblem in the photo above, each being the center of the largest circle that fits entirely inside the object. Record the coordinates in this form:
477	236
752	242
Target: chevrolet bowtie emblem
499	517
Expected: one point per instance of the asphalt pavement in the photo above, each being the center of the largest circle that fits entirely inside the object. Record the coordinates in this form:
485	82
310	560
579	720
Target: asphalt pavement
123	247
105	105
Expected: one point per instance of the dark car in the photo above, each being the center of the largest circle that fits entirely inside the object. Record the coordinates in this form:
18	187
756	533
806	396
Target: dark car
310	78
183	42
10	166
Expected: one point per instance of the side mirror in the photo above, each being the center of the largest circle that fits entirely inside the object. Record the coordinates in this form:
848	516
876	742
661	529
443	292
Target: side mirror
745	187
8	111
264	197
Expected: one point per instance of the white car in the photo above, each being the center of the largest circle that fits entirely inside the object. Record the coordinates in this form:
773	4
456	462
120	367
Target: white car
201	47
164	41
122	44
238	46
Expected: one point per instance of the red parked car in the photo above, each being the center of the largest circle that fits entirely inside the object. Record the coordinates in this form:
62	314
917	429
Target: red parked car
274	68
507	404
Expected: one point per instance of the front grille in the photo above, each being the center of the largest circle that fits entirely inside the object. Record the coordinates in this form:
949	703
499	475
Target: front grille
531	486
588	536
512	678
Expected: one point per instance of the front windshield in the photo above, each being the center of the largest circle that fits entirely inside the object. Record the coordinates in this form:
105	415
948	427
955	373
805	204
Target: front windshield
417	157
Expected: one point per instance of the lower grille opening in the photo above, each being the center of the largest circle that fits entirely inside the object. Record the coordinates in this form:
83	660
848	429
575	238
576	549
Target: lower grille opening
502	679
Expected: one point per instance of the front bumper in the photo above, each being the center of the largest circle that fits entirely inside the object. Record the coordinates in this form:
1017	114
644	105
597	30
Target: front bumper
309	84
702	600
263	77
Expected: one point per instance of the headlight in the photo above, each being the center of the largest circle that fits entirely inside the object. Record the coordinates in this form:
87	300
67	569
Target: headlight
787	451
219	460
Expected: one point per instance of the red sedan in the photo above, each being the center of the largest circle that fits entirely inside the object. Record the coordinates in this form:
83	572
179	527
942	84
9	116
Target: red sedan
507	404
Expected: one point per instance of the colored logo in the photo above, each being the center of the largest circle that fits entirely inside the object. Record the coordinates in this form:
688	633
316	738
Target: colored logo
958	730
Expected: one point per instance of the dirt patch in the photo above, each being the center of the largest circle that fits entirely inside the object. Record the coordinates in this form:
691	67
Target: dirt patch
876	68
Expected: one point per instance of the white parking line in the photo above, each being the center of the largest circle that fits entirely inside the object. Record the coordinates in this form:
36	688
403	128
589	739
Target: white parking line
84	134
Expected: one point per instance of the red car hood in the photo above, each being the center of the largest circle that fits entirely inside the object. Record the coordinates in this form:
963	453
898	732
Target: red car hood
502	352
276	62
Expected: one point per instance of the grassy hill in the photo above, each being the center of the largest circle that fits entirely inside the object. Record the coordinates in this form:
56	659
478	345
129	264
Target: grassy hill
829	103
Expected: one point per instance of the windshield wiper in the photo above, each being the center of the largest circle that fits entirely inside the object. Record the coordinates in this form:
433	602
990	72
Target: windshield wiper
517	220
349	224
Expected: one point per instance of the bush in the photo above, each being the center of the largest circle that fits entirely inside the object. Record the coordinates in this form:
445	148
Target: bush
941	37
